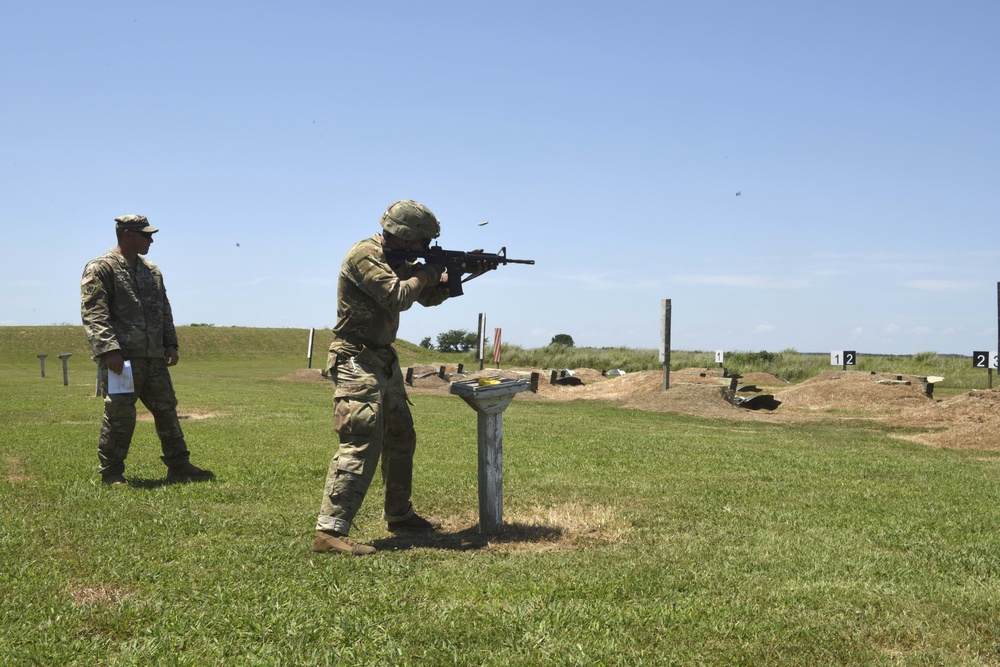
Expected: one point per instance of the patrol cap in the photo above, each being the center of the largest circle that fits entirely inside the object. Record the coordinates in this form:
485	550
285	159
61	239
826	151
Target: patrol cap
135	223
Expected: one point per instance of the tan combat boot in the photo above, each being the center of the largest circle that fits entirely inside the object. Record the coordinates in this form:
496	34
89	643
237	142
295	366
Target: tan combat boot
114	479
332	542
413	524
187	472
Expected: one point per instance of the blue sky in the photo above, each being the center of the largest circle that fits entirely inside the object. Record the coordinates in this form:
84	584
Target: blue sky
607	141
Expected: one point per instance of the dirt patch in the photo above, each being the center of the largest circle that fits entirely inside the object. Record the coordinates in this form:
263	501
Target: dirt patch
191	414
568	526
15	472
305	375
574	524
98	595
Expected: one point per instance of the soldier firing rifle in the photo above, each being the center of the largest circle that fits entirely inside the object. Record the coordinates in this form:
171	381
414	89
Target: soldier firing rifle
454	263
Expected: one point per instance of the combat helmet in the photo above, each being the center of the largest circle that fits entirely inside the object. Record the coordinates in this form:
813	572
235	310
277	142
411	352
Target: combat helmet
410	220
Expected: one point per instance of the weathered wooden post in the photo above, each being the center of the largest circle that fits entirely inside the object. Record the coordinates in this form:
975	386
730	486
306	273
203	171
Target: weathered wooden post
489	398
41	357
312	339
64	358
665	342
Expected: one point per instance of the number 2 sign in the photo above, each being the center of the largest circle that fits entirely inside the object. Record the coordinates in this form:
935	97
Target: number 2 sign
982	359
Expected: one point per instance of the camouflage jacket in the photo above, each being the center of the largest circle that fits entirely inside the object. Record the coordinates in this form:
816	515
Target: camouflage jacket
371	295
125	309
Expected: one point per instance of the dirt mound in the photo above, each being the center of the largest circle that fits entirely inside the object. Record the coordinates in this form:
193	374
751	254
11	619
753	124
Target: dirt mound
703	400
971	420
763	380
692	391
852	391
700	376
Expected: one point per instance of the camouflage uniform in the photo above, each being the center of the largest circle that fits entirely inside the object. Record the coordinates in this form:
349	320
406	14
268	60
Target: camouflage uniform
125	307
370	408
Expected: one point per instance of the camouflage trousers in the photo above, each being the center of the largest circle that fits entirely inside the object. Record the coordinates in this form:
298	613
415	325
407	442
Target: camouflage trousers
371	415
154	388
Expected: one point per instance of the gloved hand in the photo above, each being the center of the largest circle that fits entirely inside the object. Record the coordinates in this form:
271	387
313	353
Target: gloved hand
433	273
478	268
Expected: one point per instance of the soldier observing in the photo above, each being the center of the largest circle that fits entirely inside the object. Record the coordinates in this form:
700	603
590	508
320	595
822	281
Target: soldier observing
127	317
371	413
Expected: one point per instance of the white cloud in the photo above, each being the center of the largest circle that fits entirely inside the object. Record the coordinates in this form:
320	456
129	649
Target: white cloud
608	281
747	281
764	328
939	285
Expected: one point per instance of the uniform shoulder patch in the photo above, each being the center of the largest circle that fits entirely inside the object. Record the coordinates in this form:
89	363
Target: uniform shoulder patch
86	279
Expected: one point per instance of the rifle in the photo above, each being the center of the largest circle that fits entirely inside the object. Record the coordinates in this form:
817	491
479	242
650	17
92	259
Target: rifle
454	262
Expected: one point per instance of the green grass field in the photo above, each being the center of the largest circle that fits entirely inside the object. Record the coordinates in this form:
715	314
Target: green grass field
632	538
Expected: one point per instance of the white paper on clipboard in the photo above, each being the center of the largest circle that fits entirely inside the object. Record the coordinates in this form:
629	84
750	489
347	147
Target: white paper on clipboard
121	383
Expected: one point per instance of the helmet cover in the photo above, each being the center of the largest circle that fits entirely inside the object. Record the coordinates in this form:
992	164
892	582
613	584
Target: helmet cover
410	220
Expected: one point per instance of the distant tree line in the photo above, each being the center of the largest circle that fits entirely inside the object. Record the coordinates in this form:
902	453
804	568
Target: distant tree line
460	340
455	340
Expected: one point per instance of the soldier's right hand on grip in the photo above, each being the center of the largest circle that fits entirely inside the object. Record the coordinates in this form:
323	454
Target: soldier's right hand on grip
433	273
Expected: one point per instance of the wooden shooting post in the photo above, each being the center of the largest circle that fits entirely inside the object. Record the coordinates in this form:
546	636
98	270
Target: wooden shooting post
312	339
665	342
41	357
489	400
65	358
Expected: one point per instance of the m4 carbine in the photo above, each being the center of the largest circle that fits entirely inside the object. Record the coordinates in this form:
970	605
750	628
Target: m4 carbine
456	262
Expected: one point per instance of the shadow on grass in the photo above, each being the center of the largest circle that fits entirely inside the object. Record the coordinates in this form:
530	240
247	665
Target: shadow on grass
470	539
